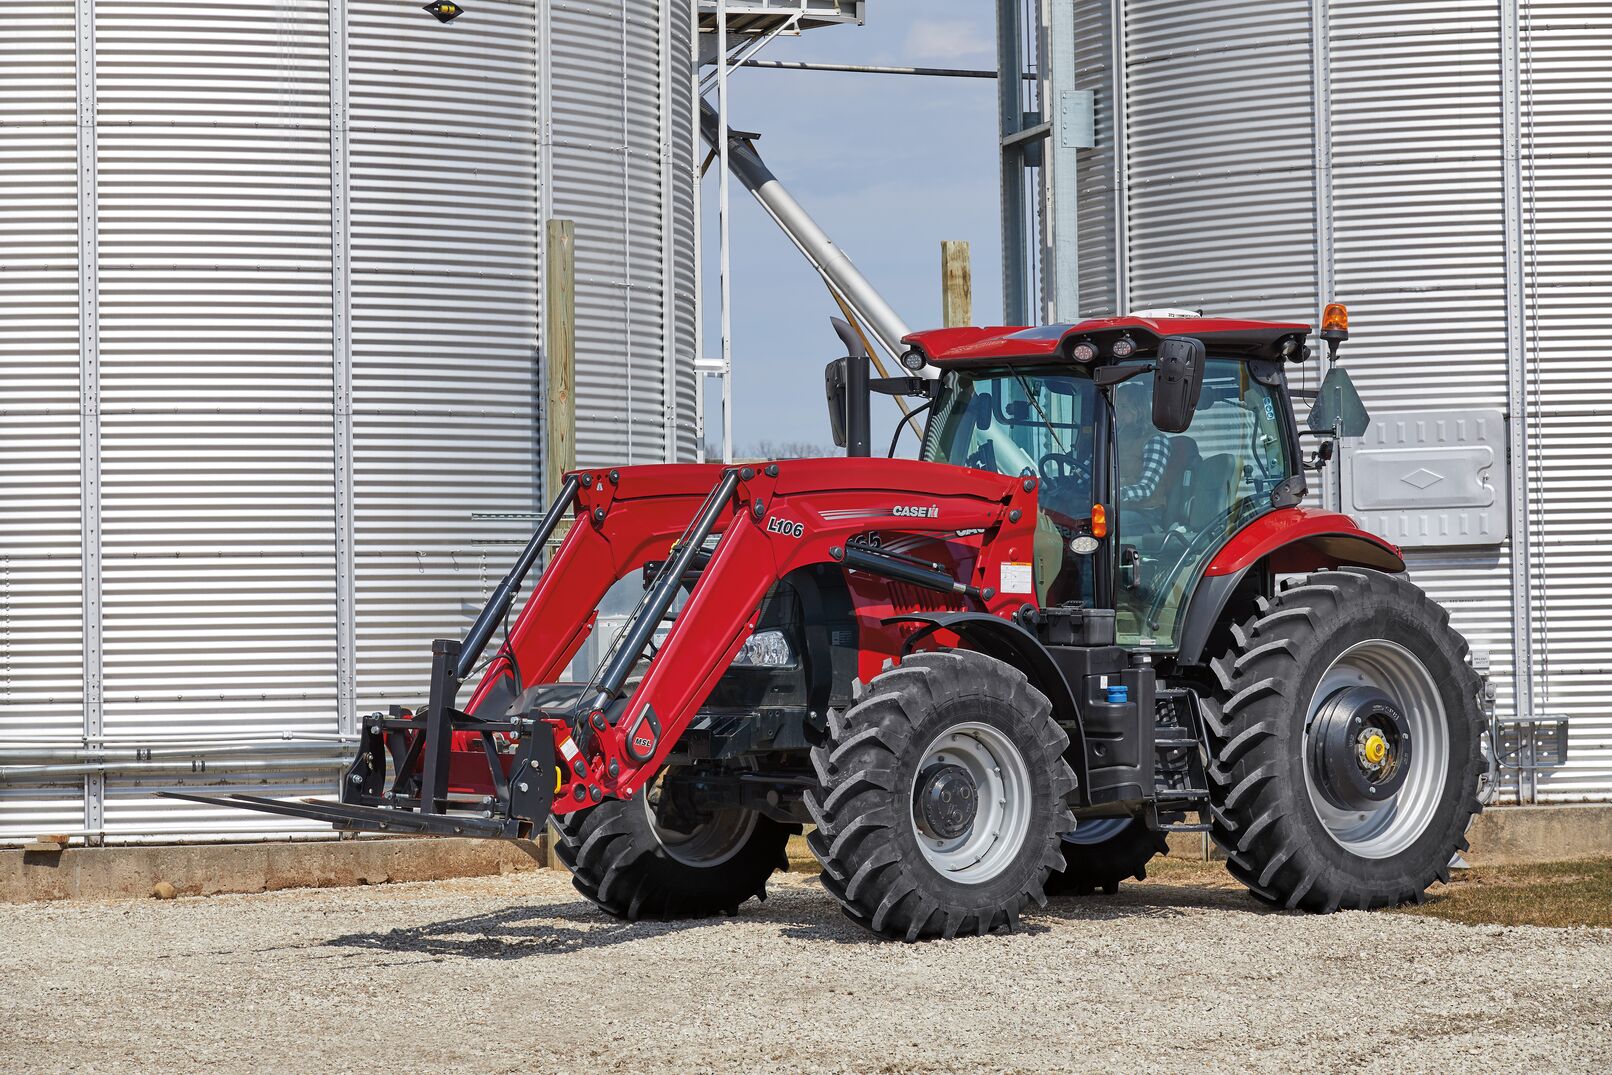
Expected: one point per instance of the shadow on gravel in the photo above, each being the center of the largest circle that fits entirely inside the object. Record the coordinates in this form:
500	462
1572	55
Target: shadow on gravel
1159	901
514	933
842	930
557	929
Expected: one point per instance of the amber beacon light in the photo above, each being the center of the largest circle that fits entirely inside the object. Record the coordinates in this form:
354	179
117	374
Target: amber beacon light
1336	319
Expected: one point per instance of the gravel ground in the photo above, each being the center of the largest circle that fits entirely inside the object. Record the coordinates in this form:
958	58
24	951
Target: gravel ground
518	974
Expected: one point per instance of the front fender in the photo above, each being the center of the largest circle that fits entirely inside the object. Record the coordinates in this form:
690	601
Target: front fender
1008	642
1291	540
1303	539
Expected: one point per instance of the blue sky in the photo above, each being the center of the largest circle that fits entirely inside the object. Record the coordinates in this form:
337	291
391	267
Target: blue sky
890	166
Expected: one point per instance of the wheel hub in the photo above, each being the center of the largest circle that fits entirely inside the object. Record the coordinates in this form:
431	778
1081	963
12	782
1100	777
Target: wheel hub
947	800
1360	748
690	830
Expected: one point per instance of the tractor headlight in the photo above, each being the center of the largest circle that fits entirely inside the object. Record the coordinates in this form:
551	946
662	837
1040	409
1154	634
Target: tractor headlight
1084	352
1124	347
914	361
766	649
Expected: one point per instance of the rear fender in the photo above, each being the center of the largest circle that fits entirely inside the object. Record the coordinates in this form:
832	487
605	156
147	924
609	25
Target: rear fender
1287	541
1008	642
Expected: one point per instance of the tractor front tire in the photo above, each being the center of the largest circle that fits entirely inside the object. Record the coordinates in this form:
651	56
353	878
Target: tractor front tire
1347	744
942	797
1107	852
621	859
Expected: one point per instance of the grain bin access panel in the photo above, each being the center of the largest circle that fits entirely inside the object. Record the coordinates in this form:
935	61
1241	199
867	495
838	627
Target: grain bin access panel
271	331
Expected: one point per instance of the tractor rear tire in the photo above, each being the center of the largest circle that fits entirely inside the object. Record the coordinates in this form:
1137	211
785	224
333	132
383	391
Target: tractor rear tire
1347	744
632	868
942	797
1121	852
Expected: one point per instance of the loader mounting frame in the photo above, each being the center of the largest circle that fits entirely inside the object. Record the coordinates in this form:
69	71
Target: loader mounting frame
552	748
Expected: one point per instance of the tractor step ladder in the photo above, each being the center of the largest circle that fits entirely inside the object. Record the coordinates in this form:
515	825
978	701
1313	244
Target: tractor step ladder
1179	731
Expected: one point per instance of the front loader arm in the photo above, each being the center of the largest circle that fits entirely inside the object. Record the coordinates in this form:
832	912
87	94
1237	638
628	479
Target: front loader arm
499	773
623	519
778	519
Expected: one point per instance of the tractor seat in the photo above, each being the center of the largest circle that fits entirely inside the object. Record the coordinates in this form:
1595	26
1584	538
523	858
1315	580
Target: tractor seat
1168	501
1213	490
1192	498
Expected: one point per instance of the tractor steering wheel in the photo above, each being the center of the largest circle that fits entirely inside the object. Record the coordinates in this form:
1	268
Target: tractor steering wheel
1058	468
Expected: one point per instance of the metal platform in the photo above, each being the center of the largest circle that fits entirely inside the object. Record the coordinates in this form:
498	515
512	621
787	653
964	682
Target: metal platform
769	16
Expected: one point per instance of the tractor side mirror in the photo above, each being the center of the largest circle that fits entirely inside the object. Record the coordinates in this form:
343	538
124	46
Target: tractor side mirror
1177	382
834	381
855	433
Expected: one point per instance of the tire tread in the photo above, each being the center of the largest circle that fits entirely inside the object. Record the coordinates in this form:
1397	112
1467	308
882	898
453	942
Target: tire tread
857	817
1250	722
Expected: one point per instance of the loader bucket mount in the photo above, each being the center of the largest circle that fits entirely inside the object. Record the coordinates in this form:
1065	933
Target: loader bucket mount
412	795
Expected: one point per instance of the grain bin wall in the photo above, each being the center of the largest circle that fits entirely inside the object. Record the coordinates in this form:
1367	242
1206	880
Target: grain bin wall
620	137
41	554
1445	169
271	370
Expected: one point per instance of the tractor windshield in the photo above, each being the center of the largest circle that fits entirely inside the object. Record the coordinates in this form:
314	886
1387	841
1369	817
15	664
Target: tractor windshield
1037	423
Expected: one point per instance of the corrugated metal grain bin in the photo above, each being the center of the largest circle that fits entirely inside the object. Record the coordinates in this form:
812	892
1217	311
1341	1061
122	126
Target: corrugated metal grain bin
270	321
1446	169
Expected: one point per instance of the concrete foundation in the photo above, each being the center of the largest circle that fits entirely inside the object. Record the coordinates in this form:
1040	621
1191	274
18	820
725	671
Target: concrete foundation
1501	835
209	869
1507	834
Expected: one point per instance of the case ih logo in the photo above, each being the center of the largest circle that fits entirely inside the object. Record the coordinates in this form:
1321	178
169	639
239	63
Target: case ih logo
785	527
912	511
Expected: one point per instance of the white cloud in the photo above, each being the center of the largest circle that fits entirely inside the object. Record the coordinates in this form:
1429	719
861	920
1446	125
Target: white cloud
950	40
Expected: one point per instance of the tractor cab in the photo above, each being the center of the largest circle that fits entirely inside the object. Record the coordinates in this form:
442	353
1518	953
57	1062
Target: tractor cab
1154	441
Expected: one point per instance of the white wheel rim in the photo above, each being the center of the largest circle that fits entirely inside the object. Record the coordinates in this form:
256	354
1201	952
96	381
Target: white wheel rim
1002	816
1398	822
711	843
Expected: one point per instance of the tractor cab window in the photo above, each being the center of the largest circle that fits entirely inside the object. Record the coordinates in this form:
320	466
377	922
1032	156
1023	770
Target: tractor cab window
1181	497
1036	423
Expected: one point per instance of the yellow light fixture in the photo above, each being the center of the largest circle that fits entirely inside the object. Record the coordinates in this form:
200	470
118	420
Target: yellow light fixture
1336	318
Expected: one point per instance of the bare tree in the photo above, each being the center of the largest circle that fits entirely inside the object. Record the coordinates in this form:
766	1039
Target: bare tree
767	449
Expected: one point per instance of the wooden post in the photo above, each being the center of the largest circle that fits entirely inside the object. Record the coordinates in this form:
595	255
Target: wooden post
956	285
560	377
560	357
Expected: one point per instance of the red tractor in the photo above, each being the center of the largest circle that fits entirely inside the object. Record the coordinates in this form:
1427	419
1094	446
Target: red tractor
1093	607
